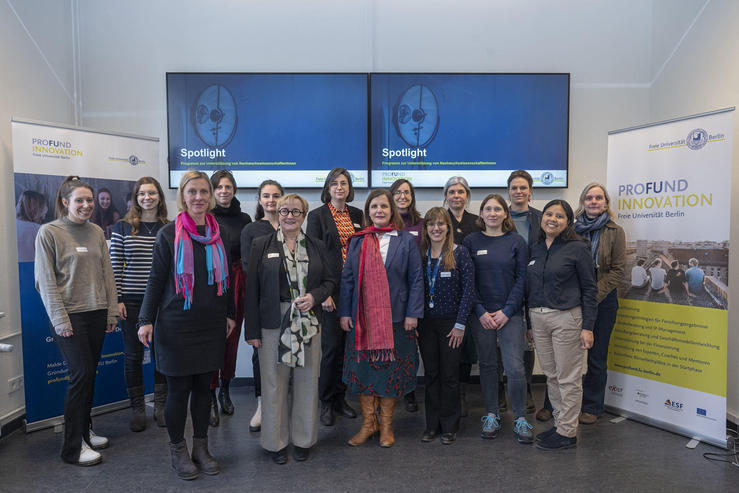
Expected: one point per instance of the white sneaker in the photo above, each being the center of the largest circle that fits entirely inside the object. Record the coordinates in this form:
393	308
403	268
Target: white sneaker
88	457
256	421
98	442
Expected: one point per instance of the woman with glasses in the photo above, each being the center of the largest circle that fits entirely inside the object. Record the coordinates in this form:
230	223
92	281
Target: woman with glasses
266	221
334	223
230	218
131	250
288	278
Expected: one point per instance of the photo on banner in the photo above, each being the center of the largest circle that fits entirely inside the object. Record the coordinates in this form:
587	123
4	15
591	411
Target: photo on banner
43	155
670	188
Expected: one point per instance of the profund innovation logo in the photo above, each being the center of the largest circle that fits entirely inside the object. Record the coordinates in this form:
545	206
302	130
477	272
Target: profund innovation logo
54	148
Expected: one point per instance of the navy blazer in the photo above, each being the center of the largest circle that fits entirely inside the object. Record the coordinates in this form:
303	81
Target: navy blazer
262	297
404	275
321	226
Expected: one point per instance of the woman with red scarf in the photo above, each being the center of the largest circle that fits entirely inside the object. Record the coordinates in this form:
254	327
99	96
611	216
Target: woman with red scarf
188	296
380	303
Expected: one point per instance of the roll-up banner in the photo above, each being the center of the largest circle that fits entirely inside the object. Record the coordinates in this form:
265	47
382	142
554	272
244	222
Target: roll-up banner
43	155
670	188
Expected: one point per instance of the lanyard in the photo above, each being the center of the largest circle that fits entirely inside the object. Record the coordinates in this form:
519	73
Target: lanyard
432	278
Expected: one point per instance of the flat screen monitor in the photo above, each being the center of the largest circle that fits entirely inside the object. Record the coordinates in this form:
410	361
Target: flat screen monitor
429	127
293	128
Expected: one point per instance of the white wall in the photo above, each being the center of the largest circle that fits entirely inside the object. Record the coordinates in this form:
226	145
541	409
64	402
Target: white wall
703	75
29	88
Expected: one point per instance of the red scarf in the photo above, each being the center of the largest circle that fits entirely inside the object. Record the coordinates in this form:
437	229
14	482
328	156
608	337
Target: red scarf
373	336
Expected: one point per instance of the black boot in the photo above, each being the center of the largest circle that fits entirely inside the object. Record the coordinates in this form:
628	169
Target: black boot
201	457
410	402
327	414
224	397
160	399
181	462
138	421
215	418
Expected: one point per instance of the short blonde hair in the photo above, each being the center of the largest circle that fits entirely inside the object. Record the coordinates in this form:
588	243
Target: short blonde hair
187	178
293	196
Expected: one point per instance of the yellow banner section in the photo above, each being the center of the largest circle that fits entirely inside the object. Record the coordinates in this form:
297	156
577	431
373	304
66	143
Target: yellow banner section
674	344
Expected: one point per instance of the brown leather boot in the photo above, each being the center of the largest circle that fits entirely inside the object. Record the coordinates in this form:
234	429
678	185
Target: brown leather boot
387	408
369	421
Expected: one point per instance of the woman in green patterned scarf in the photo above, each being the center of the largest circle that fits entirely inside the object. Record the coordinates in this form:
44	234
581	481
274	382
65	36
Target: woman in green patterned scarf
287	279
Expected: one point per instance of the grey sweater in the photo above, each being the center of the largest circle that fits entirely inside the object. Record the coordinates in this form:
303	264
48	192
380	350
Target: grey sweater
73	271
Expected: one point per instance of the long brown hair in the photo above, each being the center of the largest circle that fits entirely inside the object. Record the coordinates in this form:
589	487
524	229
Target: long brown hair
65	191
133	216
412	211
447	249
395	220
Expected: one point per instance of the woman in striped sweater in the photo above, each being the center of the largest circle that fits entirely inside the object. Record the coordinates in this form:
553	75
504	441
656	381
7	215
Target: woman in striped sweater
131	247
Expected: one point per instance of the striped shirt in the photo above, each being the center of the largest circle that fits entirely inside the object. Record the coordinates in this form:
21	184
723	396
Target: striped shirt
131	258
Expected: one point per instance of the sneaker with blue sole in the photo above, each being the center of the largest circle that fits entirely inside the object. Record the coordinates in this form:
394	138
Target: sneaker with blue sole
522	431
490	426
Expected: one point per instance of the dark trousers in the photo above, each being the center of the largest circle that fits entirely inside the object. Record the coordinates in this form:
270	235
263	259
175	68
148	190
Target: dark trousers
228	371
81	351
594	383
333	339
441	375
133	348
196	388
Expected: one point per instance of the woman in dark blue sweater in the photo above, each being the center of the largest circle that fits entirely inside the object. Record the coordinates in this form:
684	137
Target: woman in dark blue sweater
449	294
500	255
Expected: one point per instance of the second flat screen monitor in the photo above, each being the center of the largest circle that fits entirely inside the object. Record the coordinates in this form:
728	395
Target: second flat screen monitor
293	128
429	127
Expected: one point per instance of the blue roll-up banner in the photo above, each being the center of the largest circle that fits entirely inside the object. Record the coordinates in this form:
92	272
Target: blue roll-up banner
43	155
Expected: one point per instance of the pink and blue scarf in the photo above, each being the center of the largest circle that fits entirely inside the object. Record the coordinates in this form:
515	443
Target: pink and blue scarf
215	255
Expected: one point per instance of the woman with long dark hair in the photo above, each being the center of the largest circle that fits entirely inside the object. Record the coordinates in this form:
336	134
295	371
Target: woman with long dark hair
266	221
75	279
188	297
334	223
131	250
561	294
380	303
105	214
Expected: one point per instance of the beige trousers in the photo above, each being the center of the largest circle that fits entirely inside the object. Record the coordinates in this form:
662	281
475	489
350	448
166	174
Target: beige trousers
289	405
557	340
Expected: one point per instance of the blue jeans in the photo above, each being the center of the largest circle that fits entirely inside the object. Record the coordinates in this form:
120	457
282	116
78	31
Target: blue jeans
594	383
512	345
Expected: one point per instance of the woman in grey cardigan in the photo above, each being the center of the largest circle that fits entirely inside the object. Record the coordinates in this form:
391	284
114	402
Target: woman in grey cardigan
75	279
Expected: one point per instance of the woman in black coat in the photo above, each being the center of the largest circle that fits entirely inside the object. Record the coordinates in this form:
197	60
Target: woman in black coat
288	277
334	223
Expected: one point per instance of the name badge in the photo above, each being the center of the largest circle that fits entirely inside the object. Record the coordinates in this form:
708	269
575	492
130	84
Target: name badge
445	274
82	249
357	226
414	233
482	252
532	262
273	255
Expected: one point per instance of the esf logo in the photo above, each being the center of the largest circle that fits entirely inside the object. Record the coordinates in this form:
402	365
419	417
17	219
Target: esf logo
673	405
696	139
615	389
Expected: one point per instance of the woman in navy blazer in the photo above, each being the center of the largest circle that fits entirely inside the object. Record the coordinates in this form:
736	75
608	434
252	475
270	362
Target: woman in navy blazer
381	372
288	277
334	223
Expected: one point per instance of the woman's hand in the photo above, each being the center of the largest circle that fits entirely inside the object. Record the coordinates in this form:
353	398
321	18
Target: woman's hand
586	339
455	338
64	330
410	323
530	336
110	328
256	343
487	322
500	319
328	305
230	327
305	303
122	311
346	323
145	332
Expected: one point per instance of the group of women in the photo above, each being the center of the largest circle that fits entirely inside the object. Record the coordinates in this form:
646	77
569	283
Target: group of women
342	305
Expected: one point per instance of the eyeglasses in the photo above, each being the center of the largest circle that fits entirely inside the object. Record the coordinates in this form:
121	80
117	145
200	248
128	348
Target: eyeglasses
398	193
147	194
287	212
